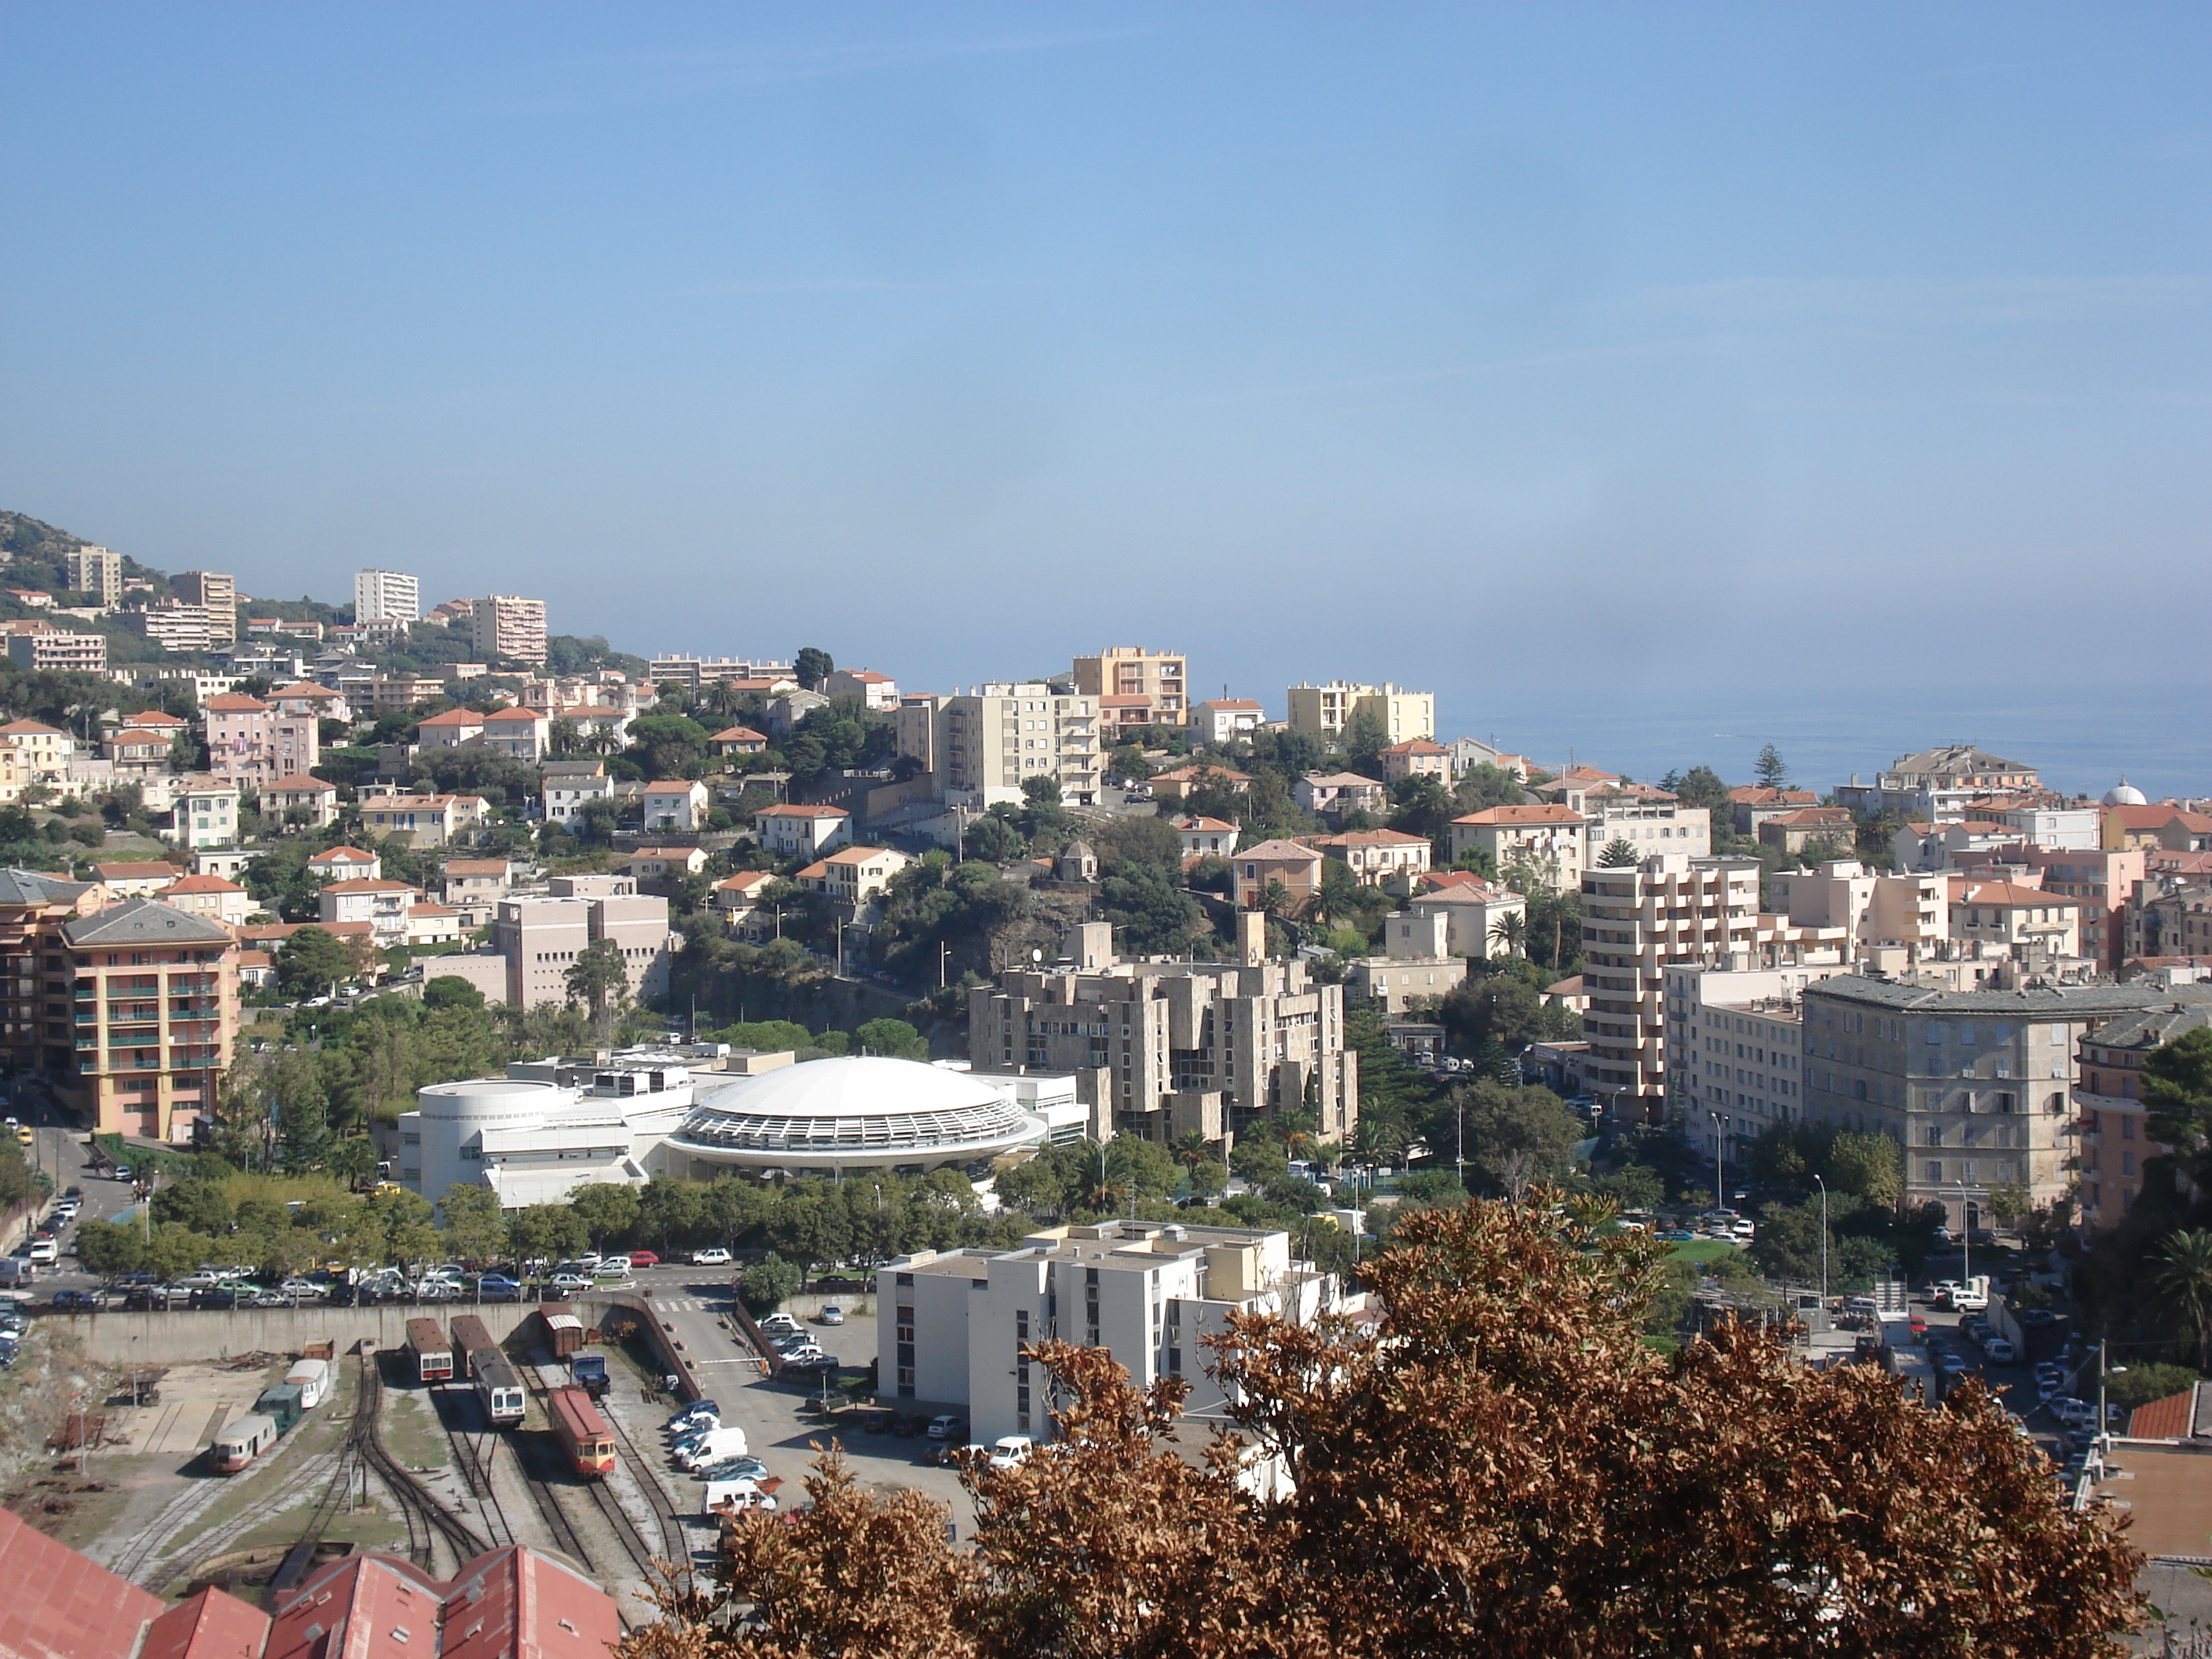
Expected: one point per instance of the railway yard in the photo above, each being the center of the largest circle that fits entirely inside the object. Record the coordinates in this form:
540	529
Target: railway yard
387	1462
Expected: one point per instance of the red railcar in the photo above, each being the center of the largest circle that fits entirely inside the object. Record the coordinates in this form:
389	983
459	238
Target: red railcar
586	1440
432	1354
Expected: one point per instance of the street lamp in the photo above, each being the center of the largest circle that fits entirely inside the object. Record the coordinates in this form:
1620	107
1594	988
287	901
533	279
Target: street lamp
1823	1186
1720	1152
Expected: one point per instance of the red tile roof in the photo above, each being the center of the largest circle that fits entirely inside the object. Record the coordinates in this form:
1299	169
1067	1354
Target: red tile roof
368	884
61	1606
301	783
344	855
201	884
209	1626
232	704
2163	1420
1549	813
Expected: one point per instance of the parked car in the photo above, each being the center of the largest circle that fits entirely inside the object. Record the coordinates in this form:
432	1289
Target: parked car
571	1282
304	1288
1675	1236
832	1315
816	1361
715	1256
643	1259
946	1427
43	1251
732	1468
777	1322
1009	1451
75	1302
2073	1414
498	1287
1998	1351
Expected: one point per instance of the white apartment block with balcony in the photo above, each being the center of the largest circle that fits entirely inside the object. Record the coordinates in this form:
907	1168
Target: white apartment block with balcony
984	745
1638	920
94	570
384	905
1545	835
955	1329
1660	825
1326	710
387	596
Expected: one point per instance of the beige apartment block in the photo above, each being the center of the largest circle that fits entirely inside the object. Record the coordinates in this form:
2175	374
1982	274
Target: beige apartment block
541	939
987	743
2005	919
1872	908
505	625
1375	855
875	692
1976	1086
155	992
217	595
1326	710
97	571
853	875
1547	837
1162	679
1163	1049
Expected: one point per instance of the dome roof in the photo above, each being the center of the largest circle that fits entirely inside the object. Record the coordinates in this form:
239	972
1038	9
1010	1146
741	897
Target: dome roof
2124	794
860	1111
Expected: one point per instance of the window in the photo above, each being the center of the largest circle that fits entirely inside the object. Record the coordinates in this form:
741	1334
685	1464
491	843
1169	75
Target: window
1934	1171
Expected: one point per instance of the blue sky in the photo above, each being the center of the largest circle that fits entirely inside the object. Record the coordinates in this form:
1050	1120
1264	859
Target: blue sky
1645	380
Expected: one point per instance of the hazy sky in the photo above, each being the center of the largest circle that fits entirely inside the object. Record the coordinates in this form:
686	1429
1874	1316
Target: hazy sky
1627	375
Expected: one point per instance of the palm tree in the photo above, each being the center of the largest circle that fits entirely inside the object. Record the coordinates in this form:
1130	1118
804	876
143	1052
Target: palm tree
1511	931
1337	896
1192	1149
2183	1271
1300	1134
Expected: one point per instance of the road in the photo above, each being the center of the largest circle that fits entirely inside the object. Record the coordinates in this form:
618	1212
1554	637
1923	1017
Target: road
694	1304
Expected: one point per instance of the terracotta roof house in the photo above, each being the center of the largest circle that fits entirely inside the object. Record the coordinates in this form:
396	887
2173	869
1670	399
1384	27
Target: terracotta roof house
1293	864
345	863
738	740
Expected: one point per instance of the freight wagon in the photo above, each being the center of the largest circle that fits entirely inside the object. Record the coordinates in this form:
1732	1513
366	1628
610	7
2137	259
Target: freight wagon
501	1394
586	1440
429	1355
313	1379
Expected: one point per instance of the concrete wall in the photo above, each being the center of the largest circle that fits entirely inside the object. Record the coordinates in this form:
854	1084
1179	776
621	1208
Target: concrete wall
169	1339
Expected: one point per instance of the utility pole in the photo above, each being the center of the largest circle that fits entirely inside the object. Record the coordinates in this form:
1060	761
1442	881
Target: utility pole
1824	1239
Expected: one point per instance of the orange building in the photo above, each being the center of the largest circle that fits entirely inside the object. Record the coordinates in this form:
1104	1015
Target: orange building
152	996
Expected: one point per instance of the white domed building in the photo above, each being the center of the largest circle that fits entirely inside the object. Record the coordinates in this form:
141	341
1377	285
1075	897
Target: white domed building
829	1116
2124	794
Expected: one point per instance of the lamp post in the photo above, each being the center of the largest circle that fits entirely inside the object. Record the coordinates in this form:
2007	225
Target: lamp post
1720	1152
1823	1186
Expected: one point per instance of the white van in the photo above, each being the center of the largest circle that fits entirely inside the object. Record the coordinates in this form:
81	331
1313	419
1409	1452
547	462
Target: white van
738	1494
726	1442
1009	1451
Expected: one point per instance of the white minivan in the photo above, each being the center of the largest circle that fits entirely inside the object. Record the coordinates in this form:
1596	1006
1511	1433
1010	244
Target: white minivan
728	1440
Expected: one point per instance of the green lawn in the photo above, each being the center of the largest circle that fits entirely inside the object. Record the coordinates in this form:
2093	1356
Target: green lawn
1706	1250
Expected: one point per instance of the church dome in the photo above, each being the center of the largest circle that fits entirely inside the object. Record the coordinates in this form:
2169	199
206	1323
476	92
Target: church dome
2124	794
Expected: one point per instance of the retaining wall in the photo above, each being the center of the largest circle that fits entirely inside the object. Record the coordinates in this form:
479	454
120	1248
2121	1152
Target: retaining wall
175	1338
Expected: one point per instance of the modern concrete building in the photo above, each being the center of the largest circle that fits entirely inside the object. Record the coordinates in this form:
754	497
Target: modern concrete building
1671	908
865	1112
96	571
217	596
1417	963
1162	1049
541	938
957	1329
35	642
1149	688
505	626
1326	710
1976	1086
550	1126
386	596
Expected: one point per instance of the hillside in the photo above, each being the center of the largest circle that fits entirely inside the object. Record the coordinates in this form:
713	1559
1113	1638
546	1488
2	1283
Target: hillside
38	549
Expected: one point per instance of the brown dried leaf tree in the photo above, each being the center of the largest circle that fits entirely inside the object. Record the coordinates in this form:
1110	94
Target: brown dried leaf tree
1498	1466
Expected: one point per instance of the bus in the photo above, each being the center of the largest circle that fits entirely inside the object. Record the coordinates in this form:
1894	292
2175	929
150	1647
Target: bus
429	1354
586	1440
496	1387
471	1342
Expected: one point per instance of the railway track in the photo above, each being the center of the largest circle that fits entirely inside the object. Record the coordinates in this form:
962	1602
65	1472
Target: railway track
675	1546
473	1454
427	1519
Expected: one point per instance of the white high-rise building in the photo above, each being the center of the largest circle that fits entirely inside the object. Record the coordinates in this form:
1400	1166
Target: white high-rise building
386	596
